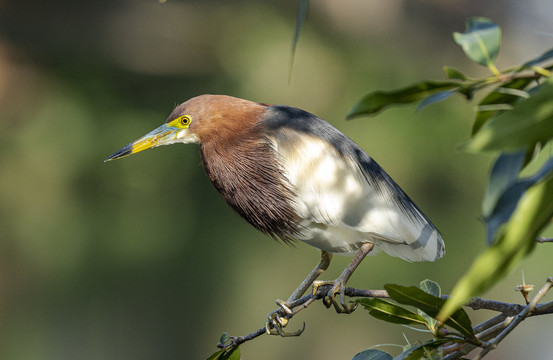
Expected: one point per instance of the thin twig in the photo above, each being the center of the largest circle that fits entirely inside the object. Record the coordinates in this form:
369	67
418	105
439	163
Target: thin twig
488	324
542	239
237	340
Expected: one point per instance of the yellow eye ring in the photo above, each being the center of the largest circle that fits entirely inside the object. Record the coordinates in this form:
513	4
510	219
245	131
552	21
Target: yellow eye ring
184	120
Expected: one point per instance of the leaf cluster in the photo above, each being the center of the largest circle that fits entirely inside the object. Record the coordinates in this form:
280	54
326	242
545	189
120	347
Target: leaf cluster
427	301
514	119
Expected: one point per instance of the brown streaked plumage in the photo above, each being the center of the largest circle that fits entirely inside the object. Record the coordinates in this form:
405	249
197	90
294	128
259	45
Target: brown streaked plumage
292	175
249	178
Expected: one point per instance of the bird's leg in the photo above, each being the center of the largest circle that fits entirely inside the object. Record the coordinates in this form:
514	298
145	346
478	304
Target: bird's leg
339	285
313	275
274	319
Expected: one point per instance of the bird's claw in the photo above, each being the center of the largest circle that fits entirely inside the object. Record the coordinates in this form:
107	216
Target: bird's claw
329	299
283	306
277	321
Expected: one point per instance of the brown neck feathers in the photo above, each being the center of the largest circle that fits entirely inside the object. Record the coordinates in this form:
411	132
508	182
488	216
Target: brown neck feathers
247	175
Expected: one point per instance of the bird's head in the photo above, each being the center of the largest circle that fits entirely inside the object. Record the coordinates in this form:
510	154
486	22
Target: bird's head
198	120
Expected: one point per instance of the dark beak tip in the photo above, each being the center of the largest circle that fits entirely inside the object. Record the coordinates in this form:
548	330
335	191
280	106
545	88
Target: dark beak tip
127	150
109	158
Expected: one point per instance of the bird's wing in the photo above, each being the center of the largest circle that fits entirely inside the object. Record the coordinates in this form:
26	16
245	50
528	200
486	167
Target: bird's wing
343	195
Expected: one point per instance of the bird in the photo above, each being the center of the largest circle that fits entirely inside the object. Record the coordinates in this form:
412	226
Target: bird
294	176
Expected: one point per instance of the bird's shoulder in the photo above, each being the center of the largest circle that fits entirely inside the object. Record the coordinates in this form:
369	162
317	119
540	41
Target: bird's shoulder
327	167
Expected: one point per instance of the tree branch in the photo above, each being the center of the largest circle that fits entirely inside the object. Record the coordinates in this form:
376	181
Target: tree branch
517	319
495	328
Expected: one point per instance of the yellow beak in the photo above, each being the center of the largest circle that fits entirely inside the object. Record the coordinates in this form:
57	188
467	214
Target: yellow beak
163	135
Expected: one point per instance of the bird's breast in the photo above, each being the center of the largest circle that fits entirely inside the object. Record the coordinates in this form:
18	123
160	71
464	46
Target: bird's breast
250	180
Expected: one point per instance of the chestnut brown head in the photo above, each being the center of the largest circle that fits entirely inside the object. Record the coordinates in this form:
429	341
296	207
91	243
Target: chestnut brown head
202	119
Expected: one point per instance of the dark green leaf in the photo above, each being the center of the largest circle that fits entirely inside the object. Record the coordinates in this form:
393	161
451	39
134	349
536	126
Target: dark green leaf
508	200
419	351
216	355
497	97
530	122
390	312
543	57
372	354
229	354
302	15
378	100
480	41
504	173
504	208
224	338
226	354
454	74
410	295
431	287
533	212
431	305
233	354
434	98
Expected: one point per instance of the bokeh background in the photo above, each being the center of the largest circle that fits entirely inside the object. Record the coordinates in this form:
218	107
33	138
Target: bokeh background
140	258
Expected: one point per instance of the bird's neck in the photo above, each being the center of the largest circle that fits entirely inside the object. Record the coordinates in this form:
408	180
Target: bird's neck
247	175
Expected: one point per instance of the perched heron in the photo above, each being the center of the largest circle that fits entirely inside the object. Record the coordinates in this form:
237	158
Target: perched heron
293	176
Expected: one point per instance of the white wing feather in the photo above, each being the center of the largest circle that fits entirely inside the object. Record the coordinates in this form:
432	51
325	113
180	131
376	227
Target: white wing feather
341	209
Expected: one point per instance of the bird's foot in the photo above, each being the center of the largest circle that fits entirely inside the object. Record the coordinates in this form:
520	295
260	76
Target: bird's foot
329	299
278	319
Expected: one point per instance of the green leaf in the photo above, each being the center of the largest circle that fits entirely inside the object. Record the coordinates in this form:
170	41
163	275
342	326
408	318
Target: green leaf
233	354
454	74
530	122
229	354
302	15
434	98
372	354
480	41
378	100
390	312
226	354
497	97
224	338
216	355
533	212
543	57
419	351
504	208
509	198
504	173
432	288
431	305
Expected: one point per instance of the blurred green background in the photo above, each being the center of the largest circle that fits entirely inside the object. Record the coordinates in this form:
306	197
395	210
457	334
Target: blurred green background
140	258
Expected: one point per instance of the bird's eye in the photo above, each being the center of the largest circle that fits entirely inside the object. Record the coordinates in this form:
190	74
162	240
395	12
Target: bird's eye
184	120
181	122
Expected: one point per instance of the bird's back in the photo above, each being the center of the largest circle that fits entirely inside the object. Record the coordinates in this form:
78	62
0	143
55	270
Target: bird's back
342	195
